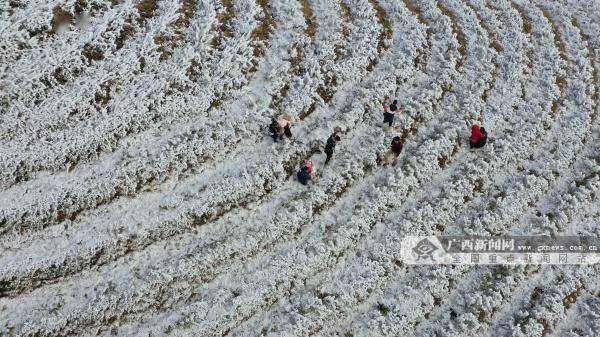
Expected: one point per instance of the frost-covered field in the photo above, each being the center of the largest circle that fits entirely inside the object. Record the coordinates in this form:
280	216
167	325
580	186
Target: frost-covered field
141	195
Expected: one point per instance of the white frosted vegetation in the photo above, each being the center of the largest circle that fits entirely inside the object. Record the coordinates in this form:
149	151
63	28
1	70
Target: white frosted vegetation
140	193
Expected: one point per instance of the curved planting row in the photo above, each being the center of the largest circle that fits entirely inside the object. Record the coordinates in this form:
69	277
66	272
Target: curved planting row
154	203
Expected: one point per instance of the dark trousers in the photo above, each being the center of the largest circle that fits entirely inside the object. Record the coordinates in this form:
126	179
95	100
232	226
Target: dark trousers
388	118
328	154
480	143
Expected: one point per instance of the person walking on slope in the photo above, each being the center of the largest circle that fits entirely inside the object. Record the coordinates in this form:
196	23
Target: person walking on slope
389	110
330	146
395	149
281	126
305	172
478	136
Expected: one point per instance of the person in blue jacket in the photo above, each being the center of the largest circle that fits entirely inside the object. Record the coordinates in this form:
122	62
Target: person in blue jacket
304	173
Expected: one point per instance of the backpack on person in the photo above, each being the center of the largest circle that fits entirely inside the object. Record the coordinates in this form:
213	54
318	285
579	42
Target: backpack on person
397	145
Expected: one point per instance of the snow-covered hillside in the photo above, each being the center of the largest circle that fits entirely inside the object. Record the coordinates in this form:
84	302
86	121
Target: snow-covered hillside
140	192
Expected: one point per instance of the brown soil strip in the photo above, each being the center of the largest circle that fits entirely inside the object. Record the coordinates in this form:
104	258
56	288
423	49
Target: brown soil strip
311	24
560	80
460	36
526	27
493	43
168	42
386	32
223	28
60	17
260	35
592	57
420	61
127	31
346	17
146	10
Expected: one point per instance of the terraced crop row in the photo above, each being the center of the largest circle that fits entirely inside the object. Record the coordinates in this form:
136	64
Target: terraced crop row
141	195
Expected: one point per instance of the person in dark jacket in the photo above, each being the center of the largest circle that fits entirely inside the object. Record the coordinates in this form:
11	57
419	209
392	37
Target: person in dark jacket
389	111
478	137
303	176
330	146
394	150
305	172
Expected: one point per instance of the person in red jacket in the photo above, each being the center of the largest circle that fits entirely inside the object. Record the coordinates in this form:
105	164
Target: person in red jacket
395	149
478	136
